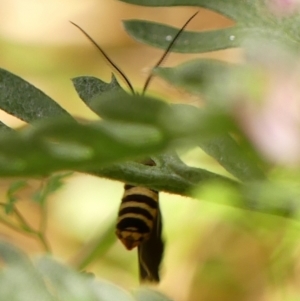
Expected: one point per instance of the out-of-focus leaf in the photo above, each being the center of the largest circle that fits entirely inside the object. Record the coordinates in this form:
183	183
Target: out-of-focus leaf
147	294
106	291
50	185
88	87
233	158
23	100
278	198
60	145
98	245
11	197
128	108
206	76
201	76
4	127
70	285
65	283
55	145
19	280
137	127
271	197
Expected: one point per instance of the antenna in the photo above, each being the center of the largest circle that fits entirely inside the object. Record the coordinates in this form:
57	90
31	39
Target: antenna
160	61
107	58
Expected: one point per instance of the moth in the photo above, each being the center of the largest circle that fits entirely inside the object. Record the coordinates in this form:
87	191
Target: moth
139	222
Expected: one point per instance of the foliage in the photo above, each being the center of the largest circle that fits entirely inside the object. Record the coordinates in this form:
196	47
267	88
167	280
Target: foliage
49	280
246	124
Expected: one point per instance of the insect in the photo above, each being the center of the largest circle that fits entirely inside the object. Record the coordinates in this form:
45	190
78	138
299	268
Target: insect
139	222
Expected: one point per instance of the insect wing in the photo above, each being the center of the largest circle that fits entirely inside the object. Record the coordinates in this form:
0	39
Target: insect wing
150	253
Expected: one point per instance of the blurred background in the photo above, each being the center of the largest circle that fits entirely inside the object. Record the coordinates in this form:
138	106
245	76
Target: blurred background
213	252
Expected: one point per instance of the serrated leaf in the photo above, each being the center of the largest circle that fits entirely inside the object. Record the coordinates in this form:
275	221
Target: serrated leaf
88	87
24	101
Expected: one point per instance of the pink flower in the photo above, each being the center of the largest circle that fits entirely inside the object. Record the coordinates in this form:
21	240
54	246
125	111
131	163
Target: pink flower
282	8
273	123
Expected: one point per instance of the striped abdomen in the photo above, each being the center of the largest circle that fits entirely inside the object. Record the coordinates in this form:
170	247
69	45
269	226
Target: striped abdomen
137	215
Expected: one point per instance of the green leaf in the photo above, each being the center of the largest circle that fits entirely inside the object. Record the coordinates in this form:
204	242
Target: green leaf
11	197
19	280
4	127
172	178
234	9
198	76
206	76
24	101
137	127
106	291
88	87
50	185
147	294
233	158
128	108
98	245
158	35
175	121
62	144
70	285
253	19
65	283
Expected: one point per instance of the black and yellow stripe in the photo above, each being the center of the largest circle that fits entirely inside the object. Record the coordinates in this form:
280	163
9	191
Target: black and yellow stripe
139	225
137	215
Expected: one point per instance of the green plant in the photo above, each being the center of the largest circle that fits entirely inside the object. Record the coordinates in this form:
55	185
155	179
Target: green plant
134	127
